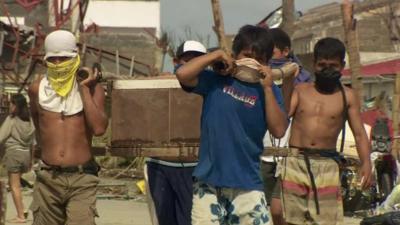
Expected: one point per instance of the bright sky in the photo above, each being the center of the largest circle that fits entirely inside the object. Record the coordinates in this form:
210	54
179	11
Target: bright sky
196	15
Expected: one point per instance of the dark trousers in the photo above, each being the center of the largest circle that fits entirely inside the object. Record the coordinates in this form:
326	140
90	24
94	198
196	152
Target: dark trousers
172	191
271	183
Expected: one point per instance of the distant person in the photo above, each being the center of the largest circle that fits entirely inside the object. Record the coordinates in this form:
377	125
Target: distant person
228	188
283	54
17	135
67	111
170	178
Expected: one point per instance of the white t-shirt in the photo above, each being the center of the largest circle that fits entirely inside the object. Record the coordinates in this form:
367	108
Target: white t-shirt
269	141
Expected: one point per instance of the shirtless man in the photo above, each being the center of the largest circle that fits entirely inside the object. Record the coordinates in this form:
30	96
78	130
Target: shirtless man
67	112
310	180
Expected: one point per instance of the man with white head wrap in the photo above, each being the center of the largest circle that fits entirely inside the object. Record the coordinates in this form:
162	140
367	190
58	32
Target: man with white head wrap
67	112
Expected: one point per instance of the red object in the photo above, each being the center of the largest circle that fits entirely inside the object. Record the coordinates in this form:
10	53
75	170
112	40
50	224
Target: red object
28	4
369	117
375	69
93	27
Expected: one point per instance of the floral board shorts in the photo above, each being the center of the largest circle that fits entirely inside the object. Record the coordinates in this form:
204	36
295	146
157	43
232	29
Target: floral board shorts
228	206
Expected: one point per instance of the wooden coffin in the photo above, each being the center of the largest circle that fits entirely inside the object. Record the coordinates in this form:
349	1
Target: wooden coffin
153	117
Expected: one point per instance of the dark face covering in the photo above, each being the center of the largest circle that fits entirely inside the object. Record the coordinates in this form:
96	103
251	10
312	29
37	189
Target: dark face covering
327	80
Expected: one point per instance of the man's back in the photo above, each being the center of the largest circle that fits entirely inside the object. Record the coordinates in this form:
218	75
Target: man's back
317	118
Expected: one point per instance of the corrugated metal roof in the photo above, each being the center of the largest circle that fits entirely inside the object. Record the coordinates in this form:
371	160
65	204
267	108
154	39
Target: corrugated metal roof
379	68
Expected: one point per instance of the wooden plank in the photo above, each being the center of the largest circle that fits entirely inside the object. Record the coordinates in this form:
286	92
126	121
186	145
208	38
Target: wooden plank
185	151
184	117
156	112
140	115
146	84
182	152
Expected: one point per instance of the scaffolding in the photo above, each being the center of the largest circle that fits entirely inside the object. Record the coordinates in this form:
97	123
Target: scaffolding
24	45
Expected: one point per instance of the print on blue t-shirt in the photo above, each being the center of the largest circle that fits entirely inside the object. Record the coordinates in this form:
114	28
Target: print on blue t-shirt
233	125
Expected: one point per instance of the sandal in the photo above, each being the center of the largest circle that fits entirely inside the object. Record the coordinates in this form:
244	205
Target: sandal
26	214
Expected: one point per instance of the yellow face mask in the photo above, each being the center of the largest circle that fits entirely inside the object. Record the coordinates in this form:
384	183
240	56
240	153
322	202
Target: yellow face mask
62	76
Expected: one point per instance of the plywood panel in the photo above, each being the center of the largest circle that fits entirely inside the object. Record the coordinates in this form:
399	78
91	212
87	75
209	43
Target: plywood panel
140	115
185	116
154	114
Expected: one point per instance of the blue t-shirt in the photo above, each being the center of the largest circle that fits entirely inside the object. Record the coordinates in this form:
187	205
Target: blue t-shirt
233	125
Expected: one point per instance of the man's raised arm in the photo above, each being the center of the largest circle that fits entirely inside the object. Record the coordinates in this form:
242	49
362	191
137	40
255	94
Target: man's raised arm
188	73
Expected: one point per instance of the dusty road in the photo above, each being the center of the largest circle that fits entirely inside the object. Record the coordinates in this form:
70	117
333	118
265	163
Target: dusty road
119	212
116	212
112	212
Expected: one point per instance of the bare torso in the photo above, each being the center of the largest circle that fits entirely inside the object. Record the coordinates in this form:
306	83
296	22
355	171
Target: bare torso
317	119
64	140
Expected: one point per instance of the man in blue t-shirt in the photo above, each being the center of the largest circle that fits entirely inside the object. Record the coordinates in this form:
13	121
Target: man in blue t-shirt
235	115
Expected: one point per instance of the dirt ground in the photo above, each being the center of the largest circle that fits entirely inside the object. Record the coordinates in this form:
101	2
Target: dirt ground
112	212
119	202
117	212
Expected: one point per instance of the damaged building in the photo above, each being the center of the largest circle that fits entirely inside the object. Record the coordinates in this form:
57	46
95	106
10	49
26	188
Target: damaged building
377	23
124	45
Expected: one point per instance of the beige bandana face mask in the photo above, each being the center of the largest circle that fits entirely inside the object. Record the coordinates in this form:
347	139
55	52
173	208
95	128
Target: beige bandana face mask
62	76
247	70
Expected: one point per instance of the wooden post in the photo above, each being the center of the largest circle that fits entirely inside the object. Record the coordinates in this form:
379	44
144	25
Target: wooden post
132	66
288	12
50	10
395	117
84	48
117	62
219	26
351	39
75	17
